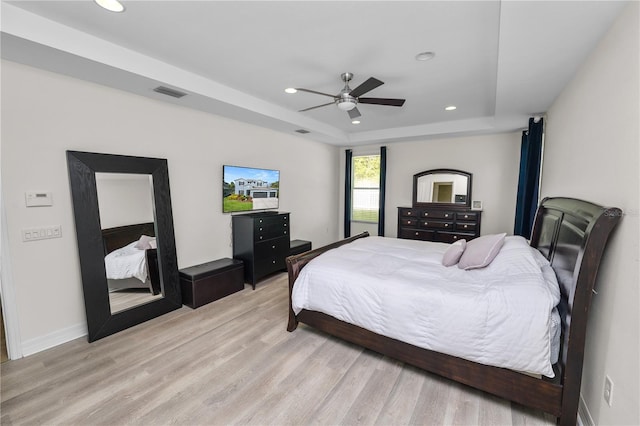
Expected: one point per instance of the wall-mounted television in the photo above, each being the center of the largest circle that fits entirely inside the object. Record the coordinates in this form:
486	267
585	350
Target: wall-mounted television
248	189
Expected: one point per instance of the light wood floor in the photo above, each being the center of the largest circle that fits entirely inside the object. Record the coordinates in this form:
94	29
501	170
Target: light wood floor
125	299
233	362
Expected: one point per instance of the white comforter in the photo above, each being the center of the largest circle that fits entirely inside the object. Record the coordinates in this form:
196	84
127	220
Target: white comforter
502	315
126	262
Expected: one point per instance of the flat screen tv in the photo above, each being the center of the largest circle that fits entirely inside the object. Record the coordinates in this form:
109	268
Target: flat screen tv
248	189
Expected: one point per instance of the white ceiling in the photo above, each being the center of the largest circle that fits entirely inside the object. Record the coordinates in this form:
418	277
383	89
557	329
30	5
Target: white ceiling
498	62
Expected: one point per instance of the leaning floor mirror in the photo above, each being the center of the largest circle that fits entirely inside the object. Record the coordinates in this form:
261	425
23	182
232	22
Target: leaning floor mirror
126	241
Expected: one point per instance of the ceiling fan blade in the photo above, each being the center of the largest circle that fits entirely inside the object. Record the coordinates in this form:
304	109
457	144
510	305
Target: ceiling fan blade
317	93
317	106
382	101
368	85
354	113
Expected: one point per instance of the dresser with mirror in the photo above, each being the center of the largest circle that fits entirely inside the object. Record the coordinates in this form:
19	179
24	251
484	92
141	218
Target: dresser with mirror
441	208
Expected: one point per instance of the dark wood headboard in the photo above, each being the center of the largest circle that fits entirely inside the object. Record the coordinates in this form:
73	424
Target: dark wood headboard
572	235
120	236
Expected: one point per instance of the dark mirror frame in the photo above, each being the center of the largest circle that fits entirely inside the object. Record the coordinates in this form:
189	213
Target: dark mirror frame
82	169
417	203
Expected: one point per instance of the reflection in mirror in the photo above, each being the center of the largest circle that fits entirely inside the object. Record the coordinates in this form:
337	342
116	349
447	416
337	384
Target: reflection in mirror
125	203
152	217
442	186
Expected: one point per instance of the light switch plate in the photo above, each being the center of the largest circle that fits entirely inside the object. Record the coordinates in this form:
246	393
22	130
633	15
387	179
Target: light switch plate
34	234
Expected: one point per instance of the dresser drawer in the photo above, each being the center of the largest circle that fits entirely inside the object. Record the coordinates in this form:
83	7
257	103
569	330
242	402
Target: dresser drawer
408	212
466	226
452	237
436	224
411	222
467	216
436	214
278	247
270	230
416	234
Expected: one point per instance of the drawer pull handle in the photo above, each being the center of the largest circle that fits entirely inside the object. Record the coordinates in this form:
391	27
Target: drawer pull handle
446	215
466	226
285	232
426	223
455	237
273	247
408	222
273	261
285	224
446	225
260	220
260	236
426	213
466	216
417	233
408	213
261	229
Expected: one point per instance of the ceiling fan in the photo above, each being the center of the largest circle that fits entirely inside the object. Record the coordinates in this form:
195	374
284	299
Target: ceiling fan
348	99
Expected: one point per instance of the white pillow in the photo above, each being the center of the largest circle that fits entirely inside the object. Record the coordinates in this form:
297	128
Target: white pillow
453	253
481	251
143	242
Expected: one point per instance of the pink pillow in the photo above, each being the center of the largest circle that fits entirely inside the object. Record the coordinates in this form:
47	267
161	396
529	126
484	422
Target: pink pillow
481	251
453	253
143	242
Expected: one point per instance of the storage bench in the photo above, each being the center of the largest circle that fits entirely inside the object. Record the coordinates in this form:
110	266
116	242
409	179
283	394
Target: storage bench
202	284
299	246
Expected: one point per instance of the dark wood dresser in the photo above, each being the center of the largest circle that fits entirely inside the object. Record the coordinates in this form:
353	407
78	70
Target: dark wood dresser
261	241
443	224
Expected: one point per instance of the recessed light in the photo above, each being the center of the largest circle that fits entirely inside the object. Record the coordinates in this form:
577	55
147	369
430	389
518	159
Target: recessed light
355	121
450	108
290	90
425	56
110	5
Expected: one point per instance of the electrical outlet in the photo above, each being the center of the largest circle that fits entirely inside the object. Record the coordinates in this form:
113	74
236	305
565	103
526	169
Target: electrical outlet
608	390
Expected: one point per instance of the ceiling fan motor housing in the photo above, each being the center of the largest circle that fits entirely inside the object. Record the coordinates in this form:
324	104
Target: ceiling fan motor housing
346	102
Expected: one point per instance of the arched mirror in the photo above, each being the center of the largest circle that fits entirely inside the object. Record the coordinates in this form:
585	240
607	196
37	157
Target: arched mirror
126	242
442	187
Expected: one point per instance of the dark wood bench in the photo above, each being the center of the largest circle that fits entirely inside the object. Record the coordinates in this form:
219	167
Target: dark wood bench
299	246
202	284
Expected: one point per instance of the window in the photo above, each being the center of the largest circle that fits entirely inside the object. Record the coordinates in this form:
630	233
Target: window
366	188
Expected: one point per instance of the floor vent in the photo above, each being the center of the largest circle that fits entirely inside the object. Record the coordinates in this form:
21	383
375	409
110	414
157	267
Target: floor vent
303	131
169	92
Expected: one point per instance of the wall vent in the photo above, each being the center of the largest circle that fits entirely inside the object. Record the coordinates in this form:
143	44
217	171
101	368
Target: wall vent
169	92
303	131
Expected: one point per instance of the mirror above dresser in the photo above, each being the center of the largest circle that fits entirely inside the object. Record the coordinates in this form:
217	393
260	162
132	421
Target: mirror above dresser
441	209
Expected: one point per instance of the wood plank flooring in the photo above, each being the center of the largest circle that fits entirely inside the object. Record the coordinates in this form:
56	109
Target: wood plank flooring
233	362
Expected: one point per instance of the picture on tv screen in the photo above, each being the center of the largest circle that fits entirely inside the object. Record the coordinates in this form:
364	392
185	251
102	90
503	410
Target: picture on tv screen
247	189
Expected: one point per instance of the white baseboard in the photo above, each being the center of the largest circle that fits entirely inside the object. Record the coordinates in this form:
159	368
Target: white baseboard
584	416
38	344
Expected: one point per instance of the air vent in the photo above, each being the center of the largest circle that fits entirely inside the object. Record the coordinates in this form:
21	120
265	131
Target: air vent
169	92
303	131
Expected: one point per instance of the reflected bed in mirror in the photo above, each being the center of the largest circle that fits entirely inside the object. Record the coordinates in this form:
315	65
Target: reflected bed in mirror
442	187
131	262
111	216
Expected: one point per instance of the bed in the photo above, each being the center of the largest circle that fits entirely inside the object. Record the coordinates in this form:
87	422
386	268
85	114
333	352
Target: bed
571	234
118	245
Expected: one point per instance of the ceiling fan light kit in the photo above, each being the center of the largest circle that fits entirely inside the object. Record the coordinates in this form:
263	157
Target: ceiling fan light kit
348	99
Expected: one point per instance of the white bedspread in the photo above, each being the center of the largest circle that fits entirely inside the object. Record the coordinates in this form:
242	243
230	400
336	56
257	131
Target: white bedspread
126	262
502	315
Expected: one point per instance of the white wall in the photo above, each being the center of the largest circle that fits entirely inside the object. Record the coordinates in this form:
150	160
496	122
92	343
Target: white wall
45	114
591	152
493	160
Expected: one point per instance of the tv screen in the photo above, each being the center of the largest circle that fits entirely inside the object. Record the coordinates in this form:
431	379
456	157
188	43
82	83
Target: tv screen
247	189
